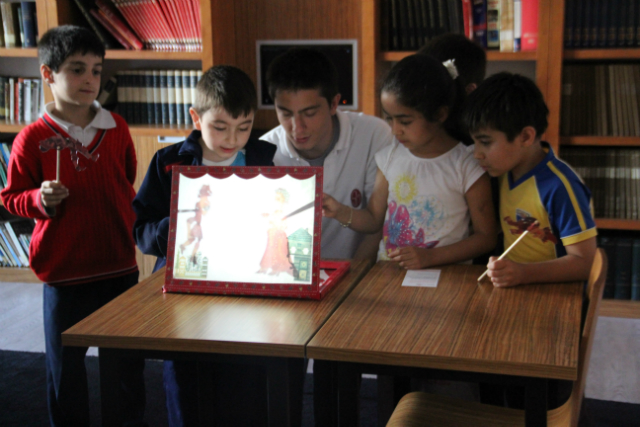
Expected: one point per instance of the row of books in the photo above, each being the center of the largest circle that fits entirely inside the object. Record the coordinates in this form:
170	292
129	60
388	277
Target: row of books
161	97
15	236
19	24
21	99
600	100
613	175
5	149
601	24
623	273
507	25
166	25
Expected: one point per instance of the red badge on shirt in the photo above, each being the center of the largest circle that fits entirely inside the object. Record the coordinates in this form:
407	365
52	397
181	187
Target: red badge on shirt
356	198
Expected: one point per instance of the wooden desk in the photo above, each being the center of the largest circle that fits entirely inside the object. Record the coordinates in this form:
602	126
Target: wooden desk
459	330
273	332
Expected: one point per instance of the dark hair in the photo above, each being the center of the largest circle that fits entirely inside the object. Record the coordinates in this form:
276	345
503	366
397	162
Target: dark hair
227	87
508	103
421	82
59	43
301	69
470	57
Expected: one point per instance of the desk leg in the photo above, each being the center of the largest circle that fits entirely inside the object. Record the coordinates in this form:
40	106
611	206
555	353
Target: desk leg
391	388
348	382
536	403
109	387
285	381
206	395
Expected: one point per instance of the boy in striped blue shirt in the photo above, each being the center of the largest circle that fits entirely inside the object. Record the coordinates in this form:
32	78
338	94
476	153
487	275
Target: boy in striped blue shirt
506	117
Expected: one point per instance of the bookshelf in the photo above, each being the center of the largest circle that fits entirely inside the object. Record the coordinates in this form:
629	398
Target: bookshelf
547	58
628	227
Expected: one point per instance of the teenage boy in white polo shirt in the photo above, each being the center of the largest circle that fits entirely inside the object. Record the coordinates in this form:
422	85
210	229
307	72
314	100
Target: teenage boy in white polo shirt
304	86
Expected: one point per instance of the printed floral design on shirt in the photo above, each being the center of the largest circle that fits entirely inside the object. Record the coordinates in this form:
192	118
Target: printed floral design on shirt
413	220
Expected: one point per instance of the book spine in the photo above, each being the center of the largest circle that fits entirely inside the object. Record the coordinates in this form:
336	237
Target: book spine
164	97
635	270
20	100
110	28
142	97
110	15
157	99
394	24
480	22
148	87
12	99
493	24
609	246
97	29
506	26
585	40
517	25
177	79
530	10
29	23
27	100
9	246
121	95
3	114
7	25
186	96
171	97
467	19
623	269
24	258
36	88
107	90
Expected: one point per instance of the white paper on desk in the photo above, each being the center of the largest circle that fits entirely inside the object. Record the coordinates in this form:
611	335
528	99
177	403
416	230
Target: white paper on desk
422	278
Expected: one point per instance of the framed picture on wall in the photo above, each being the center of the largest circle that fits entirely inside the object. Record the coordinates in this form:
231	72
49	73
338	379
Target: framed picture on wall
343	53
248	231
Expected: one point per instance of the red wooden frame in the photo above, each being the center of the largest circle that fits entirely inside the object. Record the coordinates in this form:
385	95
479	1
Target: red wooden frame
315	290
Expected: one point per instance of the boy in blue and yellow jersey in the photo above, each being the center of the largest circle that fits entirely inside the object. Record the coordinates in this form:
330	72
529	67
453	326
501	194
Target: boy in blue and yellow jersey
506	117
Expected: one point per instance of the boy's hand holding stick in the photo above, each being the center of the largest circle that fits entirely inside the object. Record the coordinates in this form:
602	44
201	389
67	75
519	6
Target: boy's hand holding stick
504	254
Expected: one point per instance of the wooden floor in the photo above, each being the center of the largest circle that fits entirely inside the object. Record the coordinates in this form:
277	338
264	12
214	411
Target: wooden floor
614	373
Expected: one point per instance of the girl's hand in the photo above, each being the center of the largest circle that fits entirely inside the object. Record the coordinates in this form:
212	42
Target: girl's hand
52	193
331	208
504	273
410	257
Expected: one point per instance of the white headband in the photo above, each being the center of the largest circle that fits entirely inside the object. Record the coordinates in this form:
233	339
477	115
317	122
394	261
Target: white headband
451	68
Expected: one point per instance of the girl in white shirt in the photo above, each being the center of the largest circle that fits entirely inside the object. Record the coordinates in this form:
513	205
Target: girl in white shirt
428	187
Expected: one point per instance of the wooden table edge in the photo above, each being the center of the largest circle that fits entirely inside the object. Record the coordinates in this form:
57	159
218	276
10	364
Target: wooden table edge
186	346
436	362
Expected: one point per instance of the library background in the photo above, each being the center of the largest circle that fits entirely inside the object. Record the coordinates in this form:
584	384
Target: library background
583	54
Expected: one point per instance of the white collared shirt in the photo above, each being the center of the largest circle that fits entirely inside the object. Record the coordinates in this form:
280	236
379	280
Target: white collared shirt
102	120
349	172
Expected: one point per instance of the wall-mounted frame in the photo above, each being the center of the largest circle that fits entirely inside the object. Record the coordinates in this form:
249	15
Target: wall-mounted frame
343	53
247	231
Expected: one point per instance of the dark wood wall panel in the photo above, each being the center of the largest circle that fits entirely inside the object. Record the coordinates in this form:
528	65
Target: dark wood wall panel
289	19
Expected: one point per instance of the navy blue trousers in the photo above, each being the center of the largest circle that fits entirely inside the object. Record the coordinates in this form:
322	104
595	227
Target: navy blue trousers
67	389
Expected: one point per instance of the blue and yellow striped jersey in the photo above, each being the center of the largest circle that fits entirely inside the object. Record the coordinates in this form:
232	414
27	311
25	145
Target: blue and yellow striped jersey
554	195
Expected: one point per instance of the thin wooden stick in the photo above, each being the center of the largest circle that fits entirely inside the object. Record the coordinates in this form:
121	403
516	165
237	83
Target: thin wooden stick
57	165
504	254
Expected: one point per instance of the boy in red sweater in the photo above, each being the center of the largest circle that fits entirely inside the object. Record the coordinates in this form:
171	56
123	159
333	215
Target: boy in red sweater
82	247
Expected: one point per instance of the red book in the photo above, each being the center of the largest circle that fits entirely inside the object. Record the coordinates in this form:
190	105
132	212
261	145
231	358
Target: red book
110	13
165	31
107	25
124	7
467	18
529	25
172	14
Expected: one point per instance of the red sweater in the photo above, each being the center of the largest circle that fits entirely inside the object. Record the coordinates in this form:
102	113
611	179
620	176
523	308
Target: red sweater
90	236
